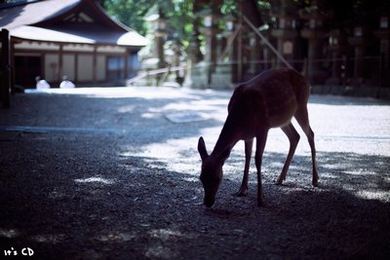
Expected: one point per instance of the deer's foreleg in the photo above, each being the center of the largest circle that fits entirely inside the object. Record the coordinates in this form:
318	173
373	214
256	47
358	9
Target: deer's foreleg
248	153
261	139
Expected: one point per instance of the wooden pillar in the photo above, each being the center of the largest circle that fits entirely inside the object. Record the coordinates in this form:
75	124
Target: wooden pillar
12	62
210	31
5	69
160	35
60	63
76	67
94	64
126	57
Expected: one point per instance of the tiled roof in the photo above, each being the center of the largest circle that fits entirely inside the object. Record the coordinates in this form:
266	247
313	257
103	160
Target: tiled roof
35	12
44	21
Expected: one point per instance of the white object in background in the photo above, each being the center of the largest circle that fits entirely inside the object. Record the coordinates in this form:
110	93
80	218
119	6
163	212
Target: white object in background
67	84
42	84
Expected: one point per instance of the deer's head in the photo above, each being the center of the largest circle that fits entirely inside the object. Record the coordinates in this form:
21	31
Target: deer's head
211	174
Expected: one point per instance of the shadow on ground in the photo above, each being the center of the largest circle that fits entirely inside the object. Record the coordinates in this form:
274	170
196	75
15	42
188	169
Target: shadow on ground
139	114
66	199
73	192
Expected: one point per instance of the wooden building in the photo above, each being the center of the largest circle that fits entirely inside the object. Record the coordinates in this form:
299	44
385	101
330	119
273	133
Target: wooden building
73	38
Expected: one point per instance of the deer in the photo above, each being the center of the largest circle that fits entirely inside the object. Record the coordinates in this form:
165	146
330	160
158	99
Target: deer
269	100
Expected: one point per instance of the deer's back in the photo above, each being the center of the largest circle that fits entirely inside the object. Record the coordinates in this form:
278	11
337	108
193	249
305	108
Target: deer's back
270	99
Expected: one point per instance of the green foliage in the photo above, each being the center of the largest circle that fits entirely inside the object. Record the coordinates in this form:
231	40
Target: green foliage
264	5
179	17
228	7
129	12
132	13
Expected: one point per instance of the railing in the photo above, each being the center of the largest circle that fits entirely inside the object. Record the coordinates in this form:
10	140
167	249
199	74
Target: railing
160	74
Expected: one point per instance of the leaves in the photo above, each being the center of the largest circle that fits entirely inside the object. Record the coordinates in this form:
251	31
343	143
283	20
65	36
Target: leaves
129	12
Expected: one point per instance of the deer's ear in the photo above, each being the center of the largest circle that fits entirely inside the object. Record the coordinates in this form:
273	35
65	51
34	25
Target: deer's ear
202	149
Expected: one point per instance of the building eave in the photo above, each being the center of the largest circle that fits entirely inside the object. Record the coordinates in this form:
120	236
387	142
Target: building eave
124	39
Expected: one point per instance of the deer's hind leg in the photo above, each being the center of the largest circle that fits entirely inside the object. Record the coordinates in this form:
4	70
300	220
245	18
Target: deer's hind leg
303	120
248	153
293	137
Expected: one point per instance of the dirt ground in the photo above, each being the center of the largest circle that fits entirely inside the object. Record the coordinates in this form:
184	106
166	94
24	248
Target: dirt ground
112	176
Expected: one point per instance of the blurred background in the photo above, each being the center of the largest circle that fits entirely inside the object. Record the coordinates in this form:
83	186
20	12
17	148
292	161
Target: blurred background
336	43
341	46
115	169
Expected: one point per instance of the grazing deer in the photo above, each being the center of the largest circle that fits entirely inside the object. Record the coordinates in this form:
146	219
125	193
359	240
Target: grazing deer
269	100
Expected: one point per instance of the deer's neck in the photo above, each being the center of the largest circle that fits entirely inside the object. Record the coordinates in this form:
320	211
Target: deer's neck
226	140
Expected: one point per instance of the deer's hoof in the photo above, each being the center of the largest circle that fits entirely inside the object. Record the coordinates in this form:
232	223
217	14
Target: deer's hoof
279	181
315	183
241	193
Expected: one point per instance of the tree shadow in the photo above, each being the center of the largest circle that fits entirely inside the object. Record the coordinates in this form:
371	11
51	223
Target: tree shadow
102	204
68	195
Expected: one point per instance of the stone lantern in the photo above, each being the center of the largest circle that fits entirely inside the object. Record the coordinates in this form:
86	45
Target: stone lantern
210	31
229	29
230	23
210	17
200	72
222	77
159	26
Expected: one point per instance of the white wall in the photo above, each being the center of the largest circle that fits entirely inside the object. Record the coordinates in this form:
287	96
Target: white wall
68	66
84	59
85	67
101	67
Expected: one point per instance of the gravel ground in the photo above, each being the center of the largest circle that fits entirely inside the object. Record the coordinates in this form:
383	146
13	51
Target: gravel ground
113	174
